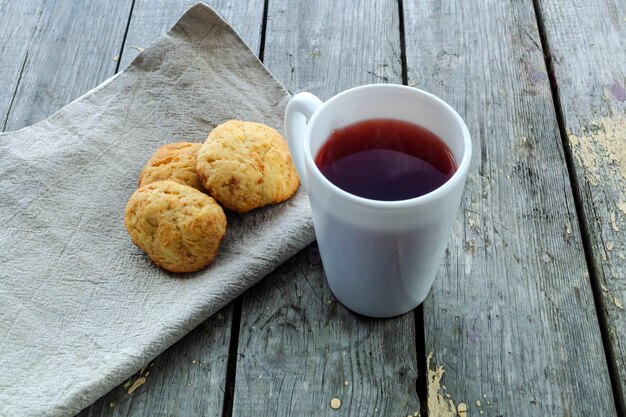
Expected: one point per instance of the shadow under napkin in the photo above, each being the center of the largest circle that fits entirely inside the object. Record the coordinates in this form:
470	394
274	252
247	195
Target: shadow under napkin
81	308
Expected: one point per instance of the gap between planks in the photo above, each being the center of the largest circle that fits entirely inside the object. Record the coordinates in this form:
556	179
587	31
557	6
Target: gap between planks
580	215
119	56
233	351
19	80
231	365
17	86
421	385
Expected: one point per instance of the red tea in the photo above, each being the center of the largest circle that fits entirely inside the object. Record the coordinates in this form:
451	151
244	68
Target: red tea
385	159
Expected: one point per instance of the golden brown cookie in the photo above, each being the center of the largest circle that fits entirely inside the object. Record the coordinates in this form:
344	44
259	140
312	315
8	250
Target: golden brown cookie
174	161
245	165
179	227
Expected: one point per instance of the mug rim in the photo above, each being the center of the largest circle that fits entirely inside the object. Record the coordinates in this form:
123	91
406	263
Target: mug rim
451	183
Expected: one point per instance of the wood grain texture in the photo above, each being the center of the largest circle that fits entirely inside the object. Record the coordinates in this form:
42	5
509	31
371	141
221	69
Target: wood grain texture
299	348
152	18
511	316
326	47
587	49
14	44
188	379
69	51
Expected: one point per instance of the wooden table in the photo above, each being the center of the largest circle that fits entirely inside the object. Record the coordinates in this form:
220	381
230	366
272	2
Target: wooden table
526	316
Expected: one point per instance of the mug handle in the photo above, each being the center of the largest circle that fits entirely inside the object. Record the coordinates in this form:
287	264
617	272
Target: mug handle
299	111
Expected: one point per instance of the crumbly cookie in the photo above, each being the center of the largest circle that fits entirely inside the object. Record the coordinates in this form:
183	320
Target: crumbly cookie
179	227
174	161
245	165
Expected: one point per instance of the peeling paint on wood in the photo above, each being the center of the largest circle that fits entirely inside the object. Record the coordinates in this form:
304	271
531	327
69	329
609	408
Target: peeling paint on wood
438	404
526	272
591	87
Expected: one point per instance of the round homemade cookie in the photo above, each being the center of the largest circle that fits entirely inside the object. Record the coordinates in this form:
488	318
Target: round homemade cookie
179	227
174	161
245	165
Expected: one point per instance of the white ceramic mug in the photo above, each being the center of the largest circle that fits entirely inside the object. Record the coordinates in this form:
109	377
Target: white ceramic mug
380	257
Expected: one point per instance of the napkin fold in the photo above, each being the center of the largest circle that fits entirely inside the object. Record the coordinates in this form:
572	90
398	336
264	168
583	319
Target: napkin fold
82	308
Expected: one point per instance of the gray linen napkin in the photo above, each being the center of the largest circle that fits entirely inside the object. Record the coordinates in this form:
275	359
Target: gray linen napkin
81	308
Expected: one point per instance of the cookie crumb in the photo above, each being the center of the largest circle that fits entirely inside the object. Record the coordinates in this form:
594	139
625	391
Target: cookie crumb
139	382
346	383
462	409
335	403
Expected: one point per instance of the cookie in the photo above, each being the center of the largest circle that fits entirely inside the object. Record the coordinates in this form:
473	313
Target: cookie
179	227
174	161
246	165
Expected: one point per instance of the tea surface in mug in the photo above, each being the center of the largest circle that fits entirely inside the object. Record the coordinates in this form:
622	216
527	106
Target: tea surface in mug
385	159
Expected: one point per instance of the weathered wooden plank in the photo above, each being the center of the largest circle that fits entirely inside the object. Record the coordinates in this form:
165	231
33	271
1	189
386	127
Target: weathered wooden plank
326	47
152	18
588	55
14	43
299	348
70	51
511	317
188	379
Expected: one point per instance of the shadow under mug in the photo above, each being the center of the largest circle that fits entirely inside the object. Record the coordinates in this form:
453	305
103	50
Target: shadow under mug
380	257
